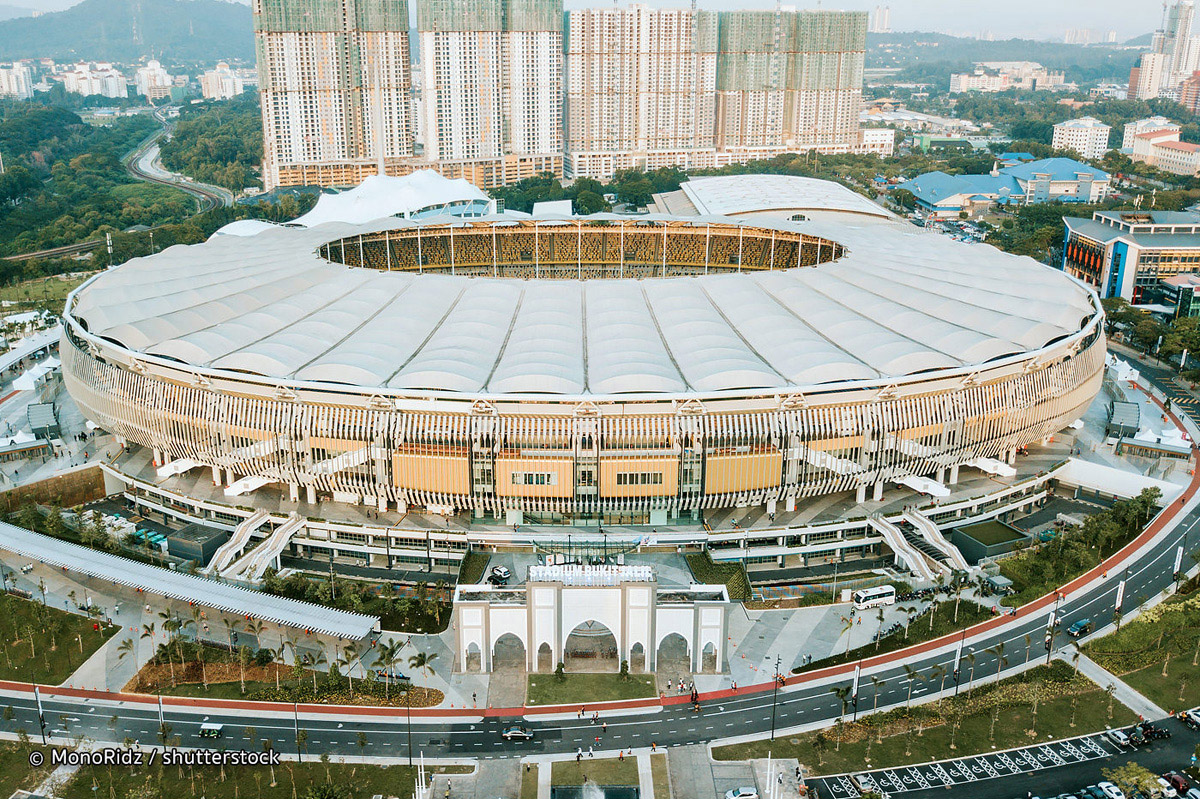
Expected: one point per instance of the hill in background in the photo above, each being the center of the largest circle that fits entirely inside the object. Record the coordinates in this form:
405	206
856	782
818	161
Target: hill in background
125	30
11	12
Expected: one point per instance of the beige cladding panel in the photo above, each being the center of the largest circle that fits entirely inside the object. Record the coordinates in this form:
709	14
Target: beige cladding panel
436	473
724	474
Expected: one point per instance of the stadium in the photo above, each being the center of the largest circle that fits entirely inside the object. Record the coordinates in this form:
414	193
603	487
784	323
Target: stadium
754	341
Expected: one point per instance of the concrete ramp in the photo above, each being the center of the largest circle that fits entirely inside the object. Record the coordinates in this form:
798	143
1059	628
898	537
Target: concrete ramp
237	543
177	466
992	466
252	565
908	557
933	536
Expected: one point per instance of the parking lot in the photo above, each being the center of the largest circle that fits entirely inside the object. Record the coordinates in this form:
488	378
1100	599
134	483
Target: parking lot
969	769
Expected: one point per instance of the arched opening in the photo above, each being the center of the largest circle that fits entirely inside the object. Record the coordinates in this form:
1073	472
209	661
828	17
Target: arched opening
474	658
708	659
545	658
672	663
637	658
508	653
591	647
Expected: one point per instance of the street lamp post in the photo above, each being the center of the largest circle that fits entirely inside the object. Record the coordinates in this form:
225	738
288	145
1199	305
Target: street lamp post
774	697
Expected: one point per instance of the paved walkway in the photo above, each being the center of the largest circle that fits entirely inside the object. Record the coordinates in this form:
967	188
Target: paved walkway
1125	694
646	778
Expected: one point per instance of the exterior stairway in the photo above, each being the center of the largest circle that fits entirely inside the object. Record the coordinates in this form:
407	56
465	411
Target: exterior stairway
933	536
234	546
906	554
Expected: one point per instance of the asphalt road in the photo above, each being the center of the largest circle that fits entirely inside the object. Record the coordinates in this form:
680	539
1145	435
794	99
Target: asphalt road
806	703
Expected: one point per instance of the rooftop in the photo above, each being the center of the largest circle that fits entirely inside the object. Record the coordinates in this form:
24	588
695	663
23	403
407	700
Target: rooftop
220	596
741	194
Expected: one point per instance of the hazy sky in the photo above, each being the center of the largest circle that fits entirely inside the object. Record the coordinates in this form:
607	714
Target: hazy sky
1005	18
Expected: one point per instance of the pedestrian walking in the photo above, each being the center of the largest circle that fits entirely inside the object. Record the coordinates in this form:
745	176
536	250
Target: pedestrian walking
621	756
474	698
580	711
590	752
579	756
653	746
604	727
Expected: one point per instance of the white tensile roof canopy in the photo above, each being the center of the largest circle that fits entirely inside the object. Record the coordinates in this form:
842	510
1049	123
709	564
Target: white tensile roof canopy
898	302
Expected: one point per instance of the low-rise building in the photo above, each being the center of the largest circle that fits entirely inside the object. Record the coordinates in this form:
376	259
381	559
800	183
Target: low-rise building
946	196
1147	125
1178	293
1125	253
1087	136
1163	150
996	76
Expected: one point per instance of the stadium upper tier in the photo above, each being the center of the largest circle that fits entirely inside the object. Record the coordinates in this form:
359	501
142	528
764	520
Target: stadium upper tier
438	311
585	367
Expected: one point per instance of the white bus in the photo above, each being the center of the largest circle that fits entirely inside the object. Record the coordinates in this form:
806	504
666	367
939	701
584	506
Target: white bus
871	597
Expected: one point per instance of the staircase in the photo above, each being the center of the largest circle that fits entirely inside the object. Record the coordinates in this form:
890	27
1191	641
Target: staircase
252	565
906	554
934	538
234	546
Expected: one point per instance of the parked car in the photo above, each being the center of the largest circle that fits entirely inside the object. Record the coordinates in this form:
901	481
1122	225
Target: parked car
1111	791
1177	781
1080	628
499	575
517	734
741	793
1119	738
1193	793
1165	790
1093	792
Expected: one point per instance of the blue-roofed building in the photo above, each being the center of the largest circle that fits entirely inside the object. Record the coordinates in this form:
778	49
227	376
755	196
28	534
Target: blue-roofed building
1012	159
944	196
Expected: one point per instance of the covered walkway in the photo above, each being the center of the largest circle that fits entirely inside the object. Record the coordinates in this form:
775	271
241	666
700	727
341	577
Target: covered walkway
204	592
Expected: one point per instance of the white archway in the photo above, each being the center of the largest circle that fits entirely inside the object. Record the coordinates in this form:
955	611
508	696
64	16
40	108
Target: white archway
591	646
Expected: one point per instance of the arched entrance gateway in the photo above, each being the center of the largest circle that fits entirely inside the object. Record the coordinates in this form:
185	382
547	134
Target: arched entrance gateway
508	653
590	618
591	646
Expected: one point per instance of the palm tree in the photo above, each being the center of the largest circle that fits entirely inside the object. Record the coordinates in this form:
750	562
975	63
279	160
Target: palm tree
970	658
908	612
1001	662
879	634
958	591
422	662
847	626
913	676
939	582
388	655
231	627
1028	646
842	692
314	661
347	659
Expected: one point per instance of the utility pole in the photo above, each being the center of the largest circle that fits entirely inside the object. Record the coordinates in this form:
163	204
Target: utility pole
774	697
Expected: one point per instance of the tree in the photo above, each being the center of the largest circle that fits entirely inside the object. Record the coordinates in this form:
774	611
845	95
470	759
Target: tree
1133	777
589	202
820	745
842	692
362	745
422	662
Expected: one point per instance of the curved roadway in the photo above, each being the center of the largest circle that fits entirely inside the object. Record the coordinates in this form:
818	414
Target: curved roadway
143	164
1147	565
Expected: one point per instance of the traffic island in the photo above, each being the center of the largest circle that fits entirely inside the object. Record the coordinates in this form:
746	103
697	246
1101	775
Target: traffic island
1045	703
582	689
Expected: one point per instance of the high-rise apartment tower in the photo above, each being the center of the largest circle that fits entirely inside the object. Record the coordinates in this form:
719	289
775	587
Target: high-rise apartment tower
335	82
491	105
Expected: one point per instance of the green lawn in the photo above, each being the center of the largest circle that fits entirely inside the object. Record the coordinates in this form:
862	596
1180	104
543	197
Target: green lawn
244	782
51	290
529	780
660	776
1166	633
991	532
602	771
943	623
546	689
904	740
730	574
15	771
43	643
1164	691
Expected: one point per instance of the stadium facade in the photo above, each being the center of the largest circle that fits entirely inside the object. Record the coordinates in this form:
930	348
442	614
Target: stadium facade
774	339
